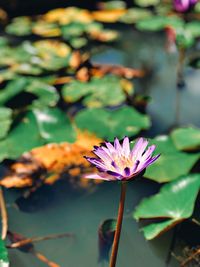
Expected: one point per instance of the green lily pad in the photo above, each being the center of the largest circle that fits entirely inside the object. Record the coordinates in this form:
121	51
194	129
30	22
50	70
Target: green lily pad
154	23
20	26
47	94
27	69
5	121
186	138
184	39
135	14
37	128
157	23
78	33
3	41
186	35
35	58
6	75
172	163
174	203
13	56
46	29
12	89
99	92
54	125
107	124
146	3
4	262
78	42
194	28
197	8
74	29
53	55
114	4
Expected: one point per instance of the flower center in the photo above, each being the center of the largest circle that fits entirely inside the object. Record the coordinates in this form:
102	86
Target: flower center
120	163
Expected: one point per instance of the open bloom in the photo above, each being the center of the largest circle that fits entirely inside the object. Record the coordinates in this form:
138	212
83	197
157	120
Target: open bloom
119	162
184	5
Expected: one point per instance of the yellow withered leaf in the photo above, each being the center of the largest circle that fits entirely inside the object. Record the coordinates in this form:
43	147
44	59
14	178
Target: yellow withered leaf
45	47
109	16
50	162
46	29
68	15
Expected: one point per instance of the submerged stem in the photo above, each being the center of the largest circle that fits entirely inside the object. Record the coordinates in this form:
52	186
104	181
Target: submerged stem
115	246
180	83
4	216
42	258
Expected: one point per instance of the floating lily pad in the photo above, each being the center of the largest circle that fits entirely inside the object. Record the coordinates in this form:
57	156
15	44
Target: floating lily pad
35	58
27	69
197	8
46	94
70	23
3	255
135	14
172	163
67	15
108	16
12	89
37	128
46	29
194	28
108	124
184	38
78	42
6	75
20	26
12	56
146	3
114	4
105	91
186	138
54	125
74	29
157	23
174	203
53	54
5	121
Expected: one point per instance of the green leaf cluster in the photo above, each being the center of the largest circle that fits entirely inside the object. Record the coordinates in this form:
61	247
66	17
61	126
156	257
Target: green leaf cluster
176	200
98	92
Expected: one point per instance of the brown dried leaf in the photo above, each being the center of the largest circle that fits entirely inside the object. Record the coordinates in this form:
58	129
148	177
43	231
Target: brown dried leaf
77	59
100	70
16	181
83	74
3	15
53	161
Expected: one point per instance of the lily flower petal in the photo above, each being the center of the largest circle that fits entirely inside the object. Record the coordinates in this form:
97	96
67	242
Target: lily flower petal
118	162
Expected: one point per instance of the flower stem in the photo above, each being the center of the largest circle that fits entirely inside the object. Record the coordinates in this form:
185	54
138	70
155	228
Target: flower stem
115	246
180	83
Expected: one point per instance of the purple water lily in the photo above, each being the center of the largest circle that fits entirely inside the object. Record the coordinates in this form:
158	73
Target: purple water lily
184	5
119	162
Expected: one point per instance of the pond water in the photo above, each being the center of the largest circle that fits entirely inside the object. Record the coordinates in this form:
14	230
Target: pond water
64	209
